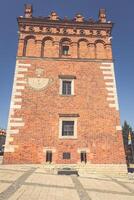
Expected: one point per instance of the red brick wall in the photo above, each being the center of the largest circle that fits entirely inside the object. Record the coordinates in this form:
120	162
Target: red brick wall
40	112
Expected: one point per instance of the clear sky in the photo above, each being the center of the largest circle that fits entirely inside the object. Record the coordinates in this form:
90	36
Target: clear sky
121	12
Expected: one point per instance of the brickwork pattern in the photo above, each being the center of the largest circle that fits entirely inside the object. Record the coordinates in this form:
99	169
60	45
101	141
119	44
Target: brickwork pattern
34	113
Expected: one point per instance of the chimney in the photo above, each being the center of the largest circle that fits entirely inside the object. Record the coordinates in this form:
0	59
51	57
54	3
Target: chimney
28	10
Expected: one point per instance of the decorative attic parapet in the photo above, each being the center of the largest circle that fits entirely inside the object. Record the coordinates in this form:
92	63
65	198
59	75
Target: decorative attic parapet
54	25
102	16
28	10
79	18
53	16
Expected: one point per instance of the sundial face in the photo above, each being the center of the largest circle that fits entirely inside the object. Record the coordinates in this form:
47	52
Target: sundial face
39	83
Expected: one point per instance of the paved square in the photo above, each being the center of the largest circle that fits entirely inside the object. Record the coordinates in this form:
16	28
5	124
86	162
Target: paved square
34	182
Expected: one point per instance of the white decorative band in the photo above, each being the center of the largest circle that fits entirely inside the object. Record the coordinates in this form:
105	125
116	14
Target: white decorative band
20	87
15	131
23	64
118	128
107	72
79	150
21	70
19	75
10	148
111	98
21	81
16	119
111	88
17	100
16	124
105	67
17	94
112	105
109	83
108	77
16	106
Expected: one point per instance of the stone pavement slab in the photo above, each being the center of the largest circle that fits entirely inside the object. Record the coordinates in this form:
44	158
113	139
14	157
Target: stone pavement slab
50	180
102	185
33	182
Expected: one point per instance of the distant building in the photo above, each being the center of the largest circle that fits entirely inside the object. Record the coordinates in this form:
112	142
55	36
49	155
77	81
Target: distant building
64	106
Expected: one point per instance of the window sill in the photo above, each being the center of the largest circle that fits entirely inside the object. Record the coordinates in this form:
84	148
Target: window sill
68	138
71	95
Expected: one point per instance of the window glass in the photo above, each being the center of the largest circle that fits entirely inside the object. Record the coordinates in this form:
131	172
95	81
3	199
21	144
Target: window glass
65	50
49	156
66	155
66	87
83	156
67	128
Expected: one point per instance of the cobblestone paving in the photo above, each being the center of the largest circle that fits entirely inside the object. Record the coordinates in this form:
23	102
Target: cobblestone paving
24	182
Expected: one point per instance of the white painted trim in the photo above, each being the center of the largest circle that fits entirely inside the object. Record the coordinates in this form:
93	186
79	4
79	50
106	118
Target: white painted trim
118	128
17	100
105	67
106	63
111	105
16	106
109	83
21	81
75	127
20	87
20	75
79	150
22	70
16	119
23	64
16	124
17	94
107	72
110	98
108	77
111	88
111	94
9	148
72	86
15	131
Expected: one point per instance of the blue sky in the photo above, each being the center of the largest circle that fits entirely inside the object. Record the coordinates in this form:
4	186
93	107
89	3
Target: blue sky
121	12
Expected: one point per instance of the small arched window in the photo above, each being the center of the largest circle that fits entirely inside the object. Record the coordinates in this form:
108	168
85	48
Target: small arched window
83	49
100	49
29	46
65	47
47	46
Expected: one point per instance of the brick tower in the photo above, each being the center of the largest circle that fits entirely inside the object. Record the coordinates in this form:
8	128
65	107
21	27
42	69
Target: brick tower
64	106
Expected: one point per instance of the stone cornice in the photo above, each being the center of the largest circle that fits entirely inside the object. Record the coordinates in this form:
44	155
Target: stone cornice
64	59
38	21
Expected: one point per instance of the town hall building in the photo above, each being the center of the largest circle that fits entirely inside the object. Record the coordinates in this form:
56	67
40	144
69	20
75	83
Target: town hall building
64	106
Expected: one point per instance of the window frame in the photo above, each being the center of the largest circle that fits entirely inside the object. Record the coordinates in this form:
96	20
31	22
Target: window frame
67	131
63	50
61	86
61	119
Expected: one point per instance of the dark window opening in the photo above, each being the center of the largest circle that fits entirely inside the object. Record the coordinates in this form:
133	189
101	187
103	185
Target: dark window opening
65	50
49	156
67	128
66	87
83	156
66	155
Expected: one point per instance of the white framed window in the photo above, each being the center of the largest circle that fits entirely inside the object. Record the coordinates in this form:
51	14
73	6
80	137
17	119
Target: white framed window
68	127
67	87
